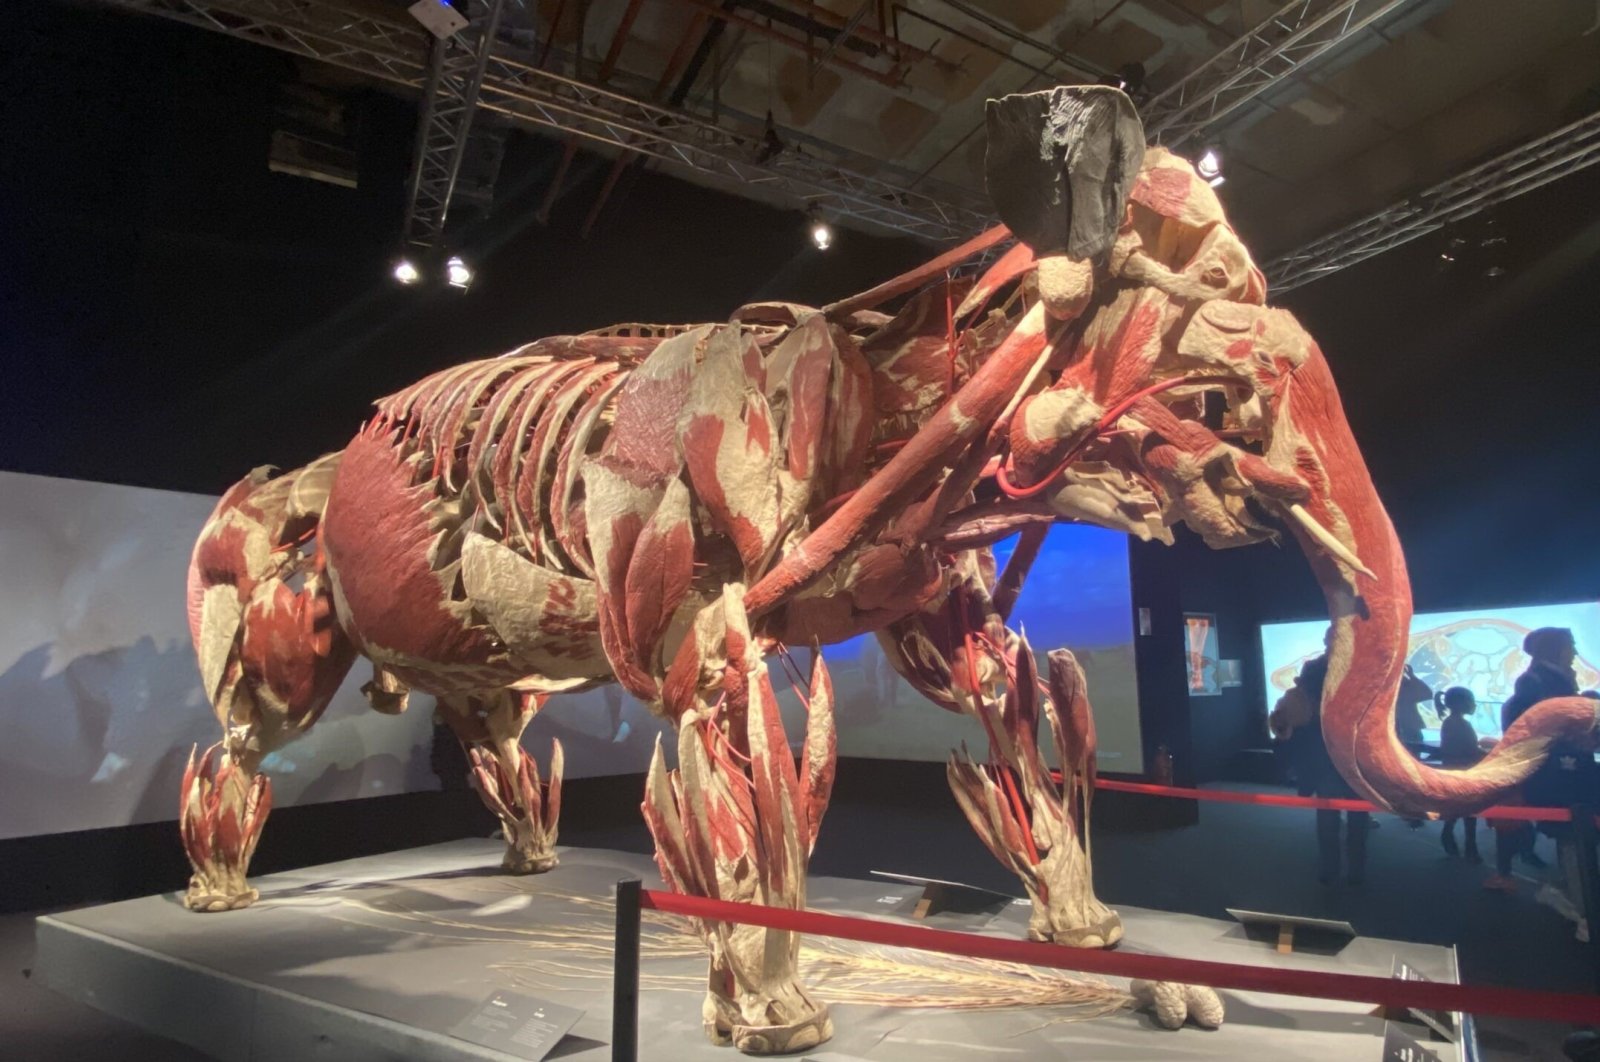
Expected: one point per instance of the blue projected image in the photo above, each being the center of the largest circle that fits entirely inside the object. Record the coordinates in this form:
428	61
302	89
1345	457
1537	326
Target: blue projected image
100	698
1078	597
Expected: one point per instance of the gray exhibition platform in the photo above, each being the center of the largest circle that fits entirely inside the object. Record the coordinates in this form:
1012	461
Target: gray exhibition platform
394	956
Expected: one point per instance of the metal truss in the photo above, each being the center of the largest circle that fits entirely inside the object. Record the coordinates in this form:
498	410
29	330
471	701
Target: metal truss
1295	35
456	67
684	141
1522	169
393	51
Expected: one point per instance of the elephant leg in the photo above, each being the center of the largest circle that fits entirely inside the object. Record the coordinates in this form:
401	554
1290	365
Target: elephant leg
271	656
736	821
1014	798
226	795
490	728
958	653
226	800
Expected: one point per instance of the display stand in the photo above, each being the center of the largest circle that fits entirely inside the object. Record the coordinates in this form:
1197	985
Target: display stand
954	897
1280	929
383	957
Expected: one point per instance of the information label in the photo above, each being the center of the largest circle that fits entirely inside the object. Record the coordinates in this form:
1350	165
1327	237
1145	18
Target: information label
518	1025
1446	1023
1398	1046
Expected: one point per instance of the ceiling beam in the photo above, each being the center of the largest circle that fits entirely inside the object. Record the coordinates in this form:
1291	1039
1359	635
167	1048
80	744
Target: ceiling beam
1522	169
1291	38
456	67
392	51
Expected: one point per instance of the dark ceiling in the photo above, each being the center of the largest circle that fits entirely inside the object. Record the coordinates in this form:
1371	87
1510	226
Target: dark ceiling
1416	96
173	313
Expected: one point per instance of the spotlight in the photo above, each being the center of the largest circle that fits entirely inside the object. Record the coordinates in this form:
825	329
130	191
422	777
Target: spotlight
1210	166
438	17
405	272
821	231
457	272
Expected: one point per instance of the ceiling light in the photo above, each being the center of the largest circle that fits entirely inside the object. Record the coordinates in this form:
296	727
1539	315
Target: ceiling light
821	231
1210	165
1216	182
405	272
438	17
457	273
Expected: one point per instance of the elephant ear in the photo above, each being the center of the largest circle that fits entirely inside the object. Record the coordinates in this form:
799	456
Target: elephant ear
1061	164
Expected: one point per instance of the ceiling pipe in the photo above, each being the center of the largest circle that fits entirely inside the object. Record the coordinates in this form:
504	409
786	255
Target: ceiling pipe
902	9
624	27
702	51
824	24
570	149
1082	67
690	74
804	48
555	27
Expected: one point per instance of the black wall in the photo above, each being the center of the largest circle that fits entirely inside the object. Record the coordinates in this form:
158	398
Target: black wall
1229	729
172	314
1473	398
175	314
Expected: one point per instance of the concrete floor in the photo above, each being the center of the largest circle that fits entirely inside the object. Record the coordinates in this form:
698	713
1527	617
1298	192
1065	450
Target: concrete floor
1237	856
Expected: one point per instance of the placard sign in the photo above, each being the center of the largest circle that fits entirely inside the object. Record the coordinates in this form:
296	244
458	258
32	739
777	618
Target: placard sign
1444	1022
518	1025
1399	1047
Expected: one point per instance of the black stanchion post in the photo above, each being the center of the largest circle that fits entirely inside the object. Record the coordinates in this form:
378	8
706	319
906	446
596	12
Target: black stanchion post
1584	836
625	975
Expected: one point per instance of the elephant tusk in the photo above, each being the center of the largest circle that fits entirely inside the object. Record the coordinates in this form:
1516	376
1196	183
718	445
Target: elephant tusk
1328	540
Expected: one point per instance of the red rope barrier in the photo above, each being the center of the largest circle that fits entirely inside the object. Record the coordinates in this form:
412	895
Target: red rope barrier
1359	988
1279	800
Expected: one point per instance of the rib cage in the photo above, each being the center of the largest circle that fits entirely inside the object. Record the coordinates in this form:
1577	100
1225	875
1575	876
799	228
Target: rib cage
499	435
506	436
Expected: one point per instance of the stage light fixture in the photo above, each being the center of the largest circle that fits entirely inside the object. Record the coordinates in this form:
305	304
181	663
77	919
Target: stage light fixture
821	232
457	272
406	272
1210	167
438	17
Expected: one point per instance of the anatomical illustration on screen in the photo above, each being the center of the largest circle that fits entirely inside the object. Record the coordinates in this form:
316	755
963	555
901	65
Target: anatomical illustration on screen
1202	658
1480	649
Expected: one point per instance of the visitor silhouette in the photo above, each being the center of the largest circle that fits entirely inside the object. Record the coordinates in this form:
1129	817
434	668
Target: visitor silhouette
1298	716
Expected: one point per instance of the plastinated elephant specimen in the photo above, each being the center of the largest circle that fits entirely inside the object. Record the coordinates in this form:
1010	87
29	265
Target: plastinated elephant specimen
667	506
